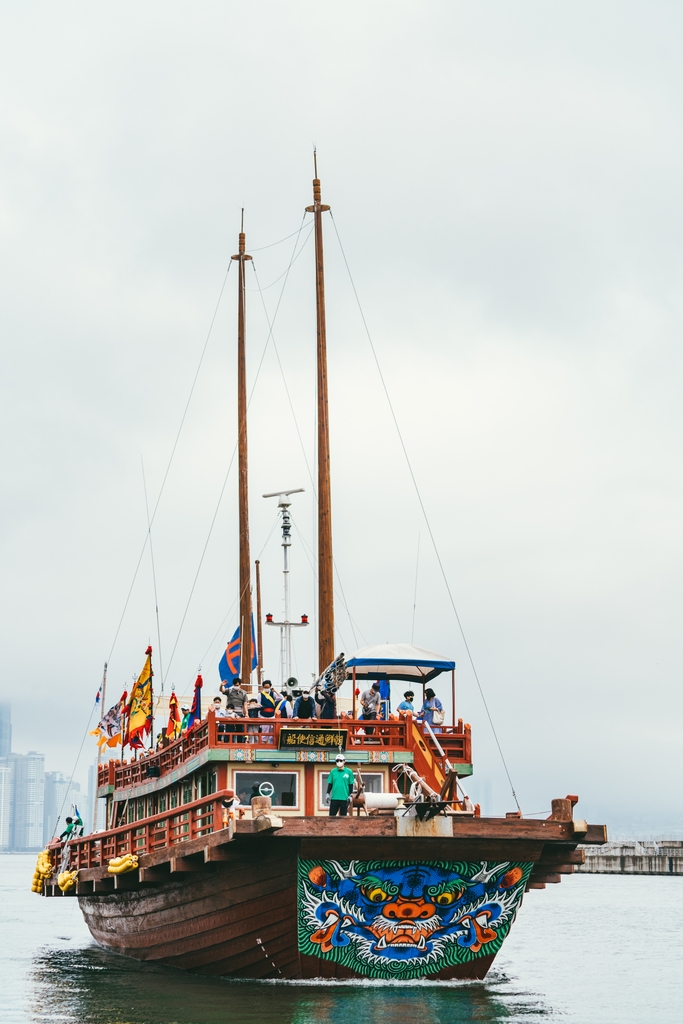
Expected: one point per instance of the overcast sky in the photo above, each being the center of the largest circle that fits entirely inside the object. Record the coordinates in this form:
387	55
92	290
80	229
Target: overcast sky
506	182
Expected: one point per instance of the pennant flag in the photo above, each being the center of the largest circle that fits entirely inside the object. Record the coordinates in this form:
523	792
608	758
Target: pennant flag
139	709
174	719
108	729
99	694
229	667
196	709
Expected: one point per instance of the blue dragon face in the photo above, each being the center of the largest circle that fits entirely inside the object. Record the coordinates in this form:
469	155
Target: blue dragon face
407	912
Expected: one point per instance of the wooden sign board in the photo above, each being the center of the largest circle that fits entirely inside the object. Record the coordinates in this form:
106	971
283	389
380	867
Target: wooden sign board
313	739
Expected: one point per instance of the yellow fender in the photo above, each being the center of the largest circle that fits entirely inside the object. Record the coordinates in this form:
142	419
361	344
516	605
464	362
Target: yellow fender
67	880
119	865
43	871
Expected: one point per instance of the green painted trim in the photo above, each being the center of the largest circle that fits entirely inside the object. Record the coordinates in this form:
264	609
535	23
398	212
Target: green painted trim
464	769
217	754
274	755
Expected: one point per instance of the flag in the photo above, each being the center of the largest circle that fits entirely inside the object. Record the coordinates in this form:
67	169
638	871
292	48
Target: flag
139	709
108	729
229	667
99	694
174	720
196	709
385	694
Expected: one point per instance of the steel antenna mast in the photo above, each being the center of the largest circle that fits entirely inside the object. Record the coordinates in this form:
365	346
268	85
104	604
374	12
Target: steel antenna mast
286	625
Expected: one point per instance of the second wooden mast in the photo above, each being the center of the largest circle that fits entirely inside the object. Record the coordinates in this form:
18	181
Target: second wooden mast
243	469
325	560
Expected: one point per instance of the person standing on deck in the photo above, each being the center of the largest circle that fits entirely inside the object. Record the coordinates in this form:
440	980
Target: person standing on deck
339	786
284	708
237	697
327	704
218	709
371	702
269	699
186	717
304	706
430	705
407	702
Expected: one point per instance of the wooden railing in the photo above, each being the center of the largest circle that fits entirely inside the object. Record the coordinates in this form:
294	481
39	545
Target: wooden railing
265	733
190	821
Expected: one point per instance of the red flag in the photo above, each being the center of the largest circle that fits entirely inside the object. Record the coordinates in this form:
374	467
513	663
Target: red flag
174	719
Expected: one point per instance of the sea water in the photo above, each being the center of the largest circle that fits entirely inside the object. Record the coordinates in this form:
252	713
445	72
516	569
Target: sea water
596	949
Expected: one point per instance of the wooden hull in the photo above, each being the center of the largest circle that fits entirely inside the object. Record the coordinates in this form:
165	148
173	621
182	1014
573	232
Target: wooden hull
239	911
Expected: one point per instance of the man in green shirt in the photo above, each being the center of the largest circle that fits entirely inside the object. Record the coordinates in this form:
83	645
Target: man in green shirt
339	785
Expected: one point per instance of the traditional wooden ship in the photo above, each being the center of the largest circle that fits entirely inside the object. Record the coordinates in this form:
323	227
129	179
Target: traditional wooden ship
220	856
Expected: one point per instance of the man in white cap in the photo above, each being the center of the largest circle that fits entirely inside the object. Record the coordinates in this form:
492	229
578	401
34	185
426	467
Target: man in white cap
339	785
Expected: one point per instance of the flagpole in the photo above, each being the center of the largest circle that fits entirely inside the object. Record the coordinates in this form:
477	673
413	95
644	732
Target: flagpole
259	633
99	749
151	702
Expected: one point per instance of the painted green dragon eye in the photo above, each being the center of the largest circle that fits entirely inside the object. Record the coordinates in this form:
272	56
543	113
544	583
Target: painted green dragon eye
376	894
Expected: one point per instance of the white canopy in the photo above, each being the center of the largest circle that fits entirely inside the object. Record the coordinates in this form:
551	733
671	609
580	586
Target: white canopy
398	661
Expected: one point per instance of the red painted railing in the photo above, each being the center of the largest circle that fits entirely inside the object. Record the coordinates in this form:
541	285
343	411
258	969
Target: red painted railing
263	733
173	827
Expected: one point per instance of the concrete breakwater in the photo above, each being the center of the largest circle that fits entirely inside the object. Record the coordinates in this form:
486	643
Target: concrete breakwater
634	857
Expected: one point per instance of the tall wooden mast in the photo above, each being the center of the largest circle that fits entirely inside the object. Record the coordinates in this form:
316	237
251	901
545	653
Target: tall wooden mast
243	471
325	563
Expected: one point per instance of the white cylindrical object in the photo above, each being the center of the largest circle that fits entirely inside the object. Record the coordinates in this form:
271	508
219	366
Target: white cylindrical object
380	801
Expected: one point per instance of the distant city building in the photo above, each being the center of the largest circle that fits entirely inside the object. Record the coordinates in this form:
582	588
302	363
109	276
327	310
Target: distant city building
29	788
6	802
5	730
92	798
60	795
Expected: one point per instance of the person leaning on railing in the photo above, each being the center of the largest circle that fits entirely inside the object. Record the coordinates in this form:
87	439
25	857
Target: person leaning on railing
304	706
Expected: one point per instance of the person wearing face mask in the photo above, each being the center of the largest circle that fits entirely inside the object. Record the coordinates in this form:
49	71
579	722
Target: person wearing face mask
269	699
339	786
304	706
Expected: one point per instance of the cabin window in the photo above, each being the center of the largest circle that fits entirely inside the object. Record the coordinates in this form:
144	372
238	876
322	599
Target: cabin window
187	792
162	802
373	782
281	787
206	784
174	797
140	810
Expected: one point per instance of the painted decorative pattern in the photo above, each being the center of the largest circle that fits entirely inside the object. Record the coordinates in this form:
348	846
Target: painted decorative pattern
381	756
400	919
242	754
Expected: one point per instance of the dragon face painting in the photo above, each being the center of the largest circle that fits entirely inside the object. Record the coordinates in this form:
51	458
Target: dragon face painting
396	919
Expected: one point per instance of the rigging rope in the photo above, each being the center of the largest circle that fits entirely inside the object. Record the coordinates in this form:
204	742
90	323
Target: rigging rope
154	577
424	513
234	451
301	442
168	467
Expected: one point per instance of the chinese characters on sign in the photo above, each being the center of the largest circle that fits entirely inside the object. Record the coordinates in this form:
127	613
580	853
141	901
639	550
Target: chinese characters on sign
303	739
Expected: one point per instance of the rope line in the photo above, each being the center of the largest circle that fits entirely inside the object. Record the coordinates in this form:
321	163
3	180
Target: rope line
301	444
78	757
234	451
168	467
286	272
424	513
154	577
